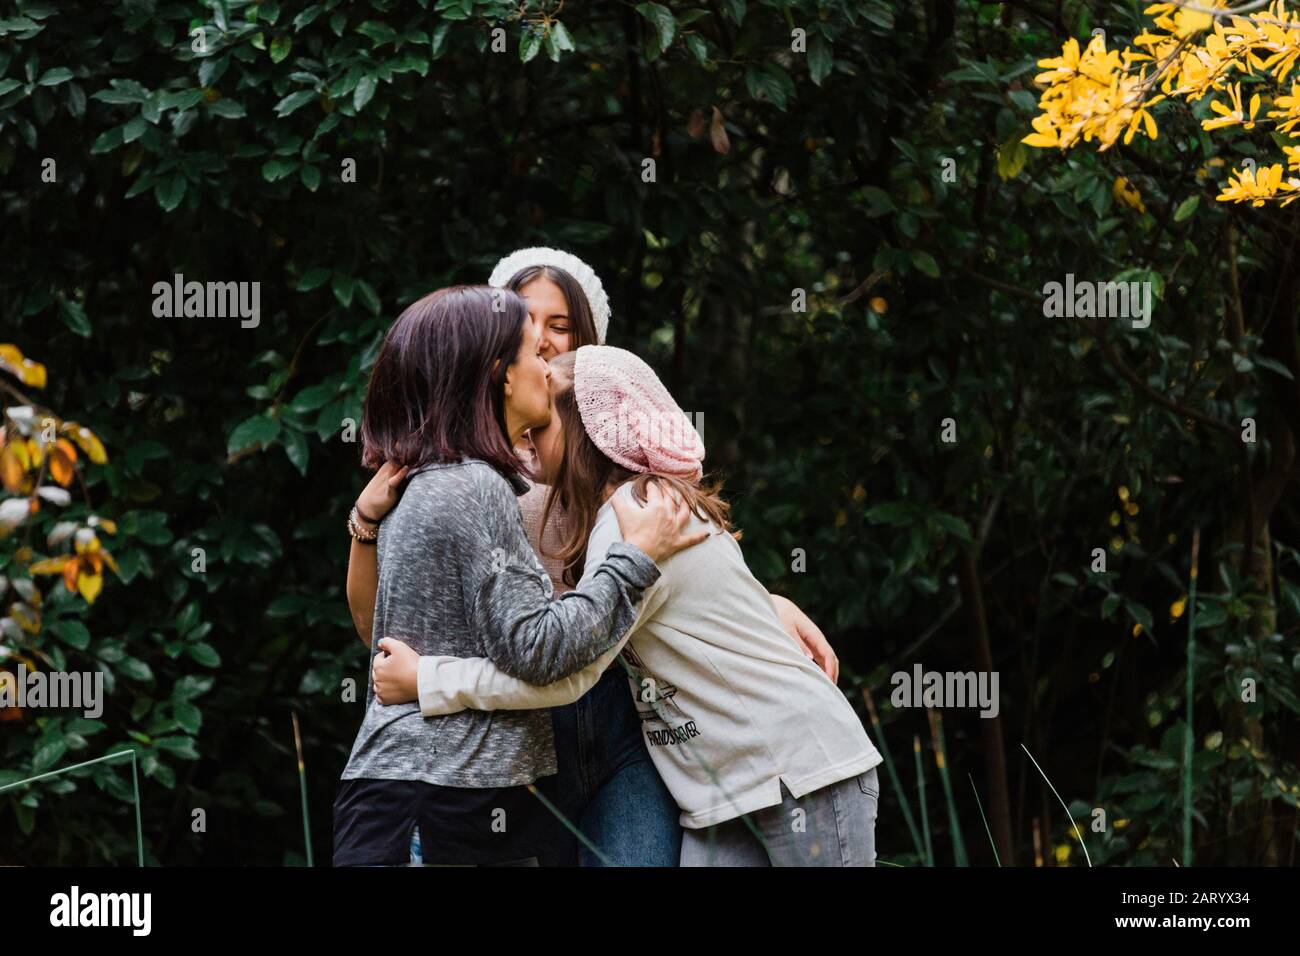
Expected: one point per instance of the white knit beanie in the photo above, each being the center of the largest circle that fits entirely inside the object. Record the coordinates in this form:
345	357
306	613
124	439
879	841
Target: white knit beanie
584	275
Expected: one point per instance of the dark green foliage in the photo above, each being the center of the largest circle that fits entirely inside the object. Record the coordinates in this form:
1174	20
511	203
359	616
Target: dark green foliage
774	171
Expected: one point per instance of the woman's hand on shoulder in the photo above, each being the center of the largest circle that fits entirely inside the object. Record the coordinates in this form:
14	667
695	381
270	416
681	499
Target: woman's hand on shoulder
659	526
396	673
381	493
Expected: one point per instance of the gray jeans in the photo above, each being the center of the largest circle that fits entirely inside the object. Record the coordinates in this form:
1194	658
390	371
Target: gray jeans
833	826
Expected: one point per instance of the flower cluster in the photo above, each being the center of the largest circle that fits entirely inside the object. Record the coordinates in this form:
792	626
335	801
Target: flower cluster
38	463
1187	54
1093	94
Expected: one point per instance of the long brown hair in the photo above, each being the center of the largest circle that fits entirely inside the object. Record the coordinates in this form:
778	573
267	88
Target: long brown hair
583	326
436	393
585	471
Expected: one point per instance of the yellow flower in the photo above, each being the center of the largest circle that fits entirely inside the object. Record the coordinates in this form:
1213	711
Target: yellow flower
1235	116
1259	186
1094	95
1126	193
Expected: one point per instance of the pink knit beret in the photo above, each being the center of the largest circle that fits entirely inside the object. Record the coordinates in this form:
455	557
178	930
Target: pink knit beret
630	416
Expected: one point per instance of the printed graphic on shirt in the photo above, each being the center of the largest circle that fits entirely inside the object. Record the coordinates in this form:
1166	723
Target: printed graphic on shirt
662	718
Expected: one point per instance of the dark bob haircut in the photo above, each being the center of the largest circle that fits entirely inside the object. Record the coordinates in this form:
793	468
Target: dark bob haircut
437	391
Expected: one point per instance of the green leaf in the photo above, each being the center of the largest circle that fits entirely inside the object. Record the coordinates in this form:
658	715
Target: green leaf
182	747
662	19
8	86
769	82
310	177
307	16
170	191
188	716
343	286
107	141
227	109
378	33
699	49
182	100
313	279
60	74
368	296
48	754
295	446
820	60
314	396
133	129
293	101
74	317
135	669
365	91
280	48
18	25
276	169
529	45
438	44
1011	157
71	632
190	686
562	38
205	654
925	262
1186	208
189	617
258	430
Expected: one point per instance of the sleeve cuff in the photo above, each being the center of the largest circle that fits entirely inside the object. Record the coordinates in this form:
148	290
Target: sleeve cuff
634	563
426	686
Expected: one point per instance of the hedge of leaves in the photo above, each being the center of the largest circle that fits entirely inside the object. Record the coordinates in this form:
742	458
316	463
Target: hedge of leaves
817	219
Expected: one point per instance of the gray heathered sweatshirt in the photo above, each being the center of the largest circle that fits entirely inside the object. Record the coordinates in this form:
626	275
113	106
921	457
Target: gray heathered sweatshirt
458	577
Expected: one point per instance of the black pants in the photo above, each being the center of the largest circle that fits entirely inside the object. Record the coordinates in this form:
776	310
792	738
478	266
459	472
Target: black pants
373	820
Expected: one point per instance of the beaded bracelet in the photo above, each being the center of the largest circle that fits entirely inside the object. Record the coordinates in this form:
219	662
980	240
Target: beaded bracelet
357	532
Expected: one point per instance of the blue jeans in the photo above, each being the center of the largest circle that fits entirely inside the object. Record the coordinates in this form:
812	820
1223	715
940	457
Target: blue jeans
607	785
833	826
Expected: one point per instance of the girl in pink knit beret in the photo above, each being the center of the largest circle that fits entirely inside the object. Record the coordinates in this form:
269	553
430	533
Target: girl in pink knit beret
763	755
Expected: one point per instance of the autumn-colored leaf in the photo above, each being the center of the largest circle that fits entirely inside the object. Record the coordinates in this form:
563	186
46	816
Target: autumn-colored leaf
28	618
718	133
90	585
697	124
22	368
109	526
63	460
48	566
87	441
13	466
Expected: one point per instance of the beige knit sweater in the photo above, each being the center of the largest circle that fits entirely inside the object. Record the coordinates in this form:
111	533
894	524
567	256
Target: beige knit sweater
730	707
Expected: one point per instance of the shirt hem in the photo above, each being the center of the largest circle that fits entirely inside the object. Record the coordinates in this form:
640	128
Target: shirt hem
469	781
760	797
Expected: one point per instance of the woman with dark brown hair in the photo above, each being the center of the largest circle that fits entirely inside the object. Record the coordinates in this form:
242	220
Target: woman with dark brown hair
458	382
765	757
